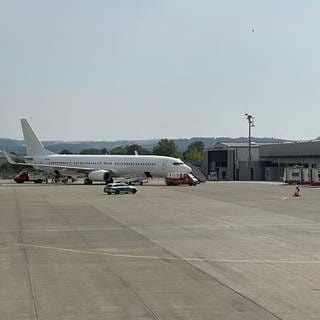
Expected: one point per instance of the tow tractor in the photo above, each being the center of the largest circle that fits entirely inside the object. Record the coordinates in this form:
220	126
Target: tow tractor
24	176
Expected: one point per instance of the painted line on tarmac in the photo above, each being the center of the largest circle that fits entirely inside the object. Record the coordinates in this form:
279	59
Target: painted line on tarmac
171	227
120	255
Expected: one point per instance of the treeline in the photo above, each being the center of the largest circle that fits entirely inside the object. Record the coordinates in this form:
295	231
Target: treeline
165	147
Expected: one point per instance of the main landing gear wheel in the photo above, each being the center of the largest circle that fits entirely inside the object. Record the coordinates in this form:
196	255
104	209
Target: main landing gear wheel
87	181
109	181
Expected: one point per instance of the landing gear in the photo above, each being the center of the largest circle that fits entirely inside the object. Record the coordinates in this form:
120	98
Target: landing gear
109	181
87	181
64	180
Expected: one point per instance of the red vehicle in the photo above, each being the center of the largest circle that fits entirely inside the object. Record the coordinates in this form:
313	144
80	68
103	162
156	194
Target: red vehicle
176	178
24	176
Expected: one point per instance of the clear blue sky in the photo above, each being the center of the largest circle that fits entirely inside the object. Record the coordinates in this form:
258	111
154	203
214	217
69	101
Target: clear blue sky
108	70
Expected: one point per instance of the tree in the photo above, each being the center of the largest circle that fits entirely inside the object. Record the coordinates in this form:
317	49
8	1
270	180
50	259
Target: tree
119	150
136	147
92	151
166	147
7	169
129	149
65	151
194	152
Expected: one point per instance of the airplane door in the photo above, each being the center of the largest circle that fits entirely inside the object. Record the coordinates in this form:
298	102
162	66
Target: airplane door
163	165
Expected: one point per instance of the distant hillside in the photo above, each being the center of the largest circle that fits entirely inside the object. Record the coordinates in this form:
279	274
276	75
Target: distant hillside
17	146
12	145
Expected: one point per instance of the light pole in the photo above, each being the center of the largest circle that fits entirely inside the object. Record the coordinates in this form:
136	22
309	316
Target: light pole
250	125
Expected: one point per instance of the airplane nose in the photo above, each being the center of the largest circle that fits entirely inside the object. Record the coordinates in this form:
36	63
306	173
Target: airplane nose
187	168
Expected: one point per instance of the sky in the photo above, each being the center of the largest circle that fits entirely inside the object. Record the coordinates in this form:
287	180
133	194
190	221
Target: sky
142	69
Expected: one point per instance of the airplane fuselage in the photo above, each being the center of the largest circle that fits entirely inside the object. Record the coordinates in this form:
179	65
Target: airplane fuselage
117	165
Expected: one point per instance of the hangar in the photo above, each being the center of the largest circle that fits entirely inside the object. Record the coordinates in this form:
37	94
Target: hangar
230	161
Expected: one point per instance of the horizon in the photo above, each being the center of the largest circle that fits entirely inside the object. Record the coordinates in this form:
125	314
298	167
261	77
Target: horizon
156	139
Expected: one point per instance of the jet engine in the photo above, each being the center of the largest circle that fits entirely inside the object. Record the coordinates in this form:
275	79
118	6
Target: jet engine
99	175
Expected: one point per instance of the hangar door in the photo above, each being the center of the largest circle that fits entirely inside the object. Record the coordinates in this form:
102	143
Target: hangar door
218	162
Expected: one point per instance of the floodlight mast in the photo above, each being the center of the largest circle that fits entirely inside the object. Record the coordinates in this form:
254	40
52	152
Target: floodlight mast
250	119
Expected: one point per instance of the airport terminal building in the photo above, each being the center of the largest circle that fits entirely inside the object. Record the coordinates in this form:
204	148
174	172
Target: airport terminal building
230	161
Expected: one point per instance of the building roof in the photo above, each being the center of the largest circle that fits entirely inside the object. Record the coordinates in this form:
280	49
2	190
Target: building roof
235	145
309	148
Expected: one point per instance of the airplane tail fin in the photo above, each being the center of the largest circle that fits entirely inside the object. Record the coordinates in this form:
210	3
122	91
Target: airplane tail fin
33	145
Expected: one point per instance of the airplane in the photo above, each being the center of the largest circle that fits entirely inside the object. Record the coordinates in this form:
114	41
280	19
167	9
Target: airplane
102	168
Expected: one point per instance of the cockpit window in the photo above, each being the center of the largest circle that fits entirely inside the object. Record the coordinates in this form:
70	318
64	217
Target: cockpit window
177	163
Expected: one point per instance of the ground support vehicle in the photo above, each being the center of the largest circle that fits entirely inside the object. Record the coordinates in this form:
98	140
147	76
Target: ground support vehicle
118	188
212	176
176	178
315	176
24	176
297	175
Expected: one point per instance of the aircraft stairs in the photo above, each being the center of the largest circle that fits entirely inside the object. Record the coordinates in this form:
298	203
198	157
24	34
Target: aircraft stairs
196	171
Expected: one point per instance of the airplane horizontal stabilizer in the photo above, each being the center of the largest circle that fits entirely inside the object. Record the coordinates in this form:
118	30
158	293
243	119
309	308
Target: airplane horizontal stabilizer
10	160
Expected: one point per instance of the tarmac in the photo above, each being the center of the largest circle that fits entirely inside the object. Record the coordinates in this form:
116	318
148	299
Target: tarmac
219	250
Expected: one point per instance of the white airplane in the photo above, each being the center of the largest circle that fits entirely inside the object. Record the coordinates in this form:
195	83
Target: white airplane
95	167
